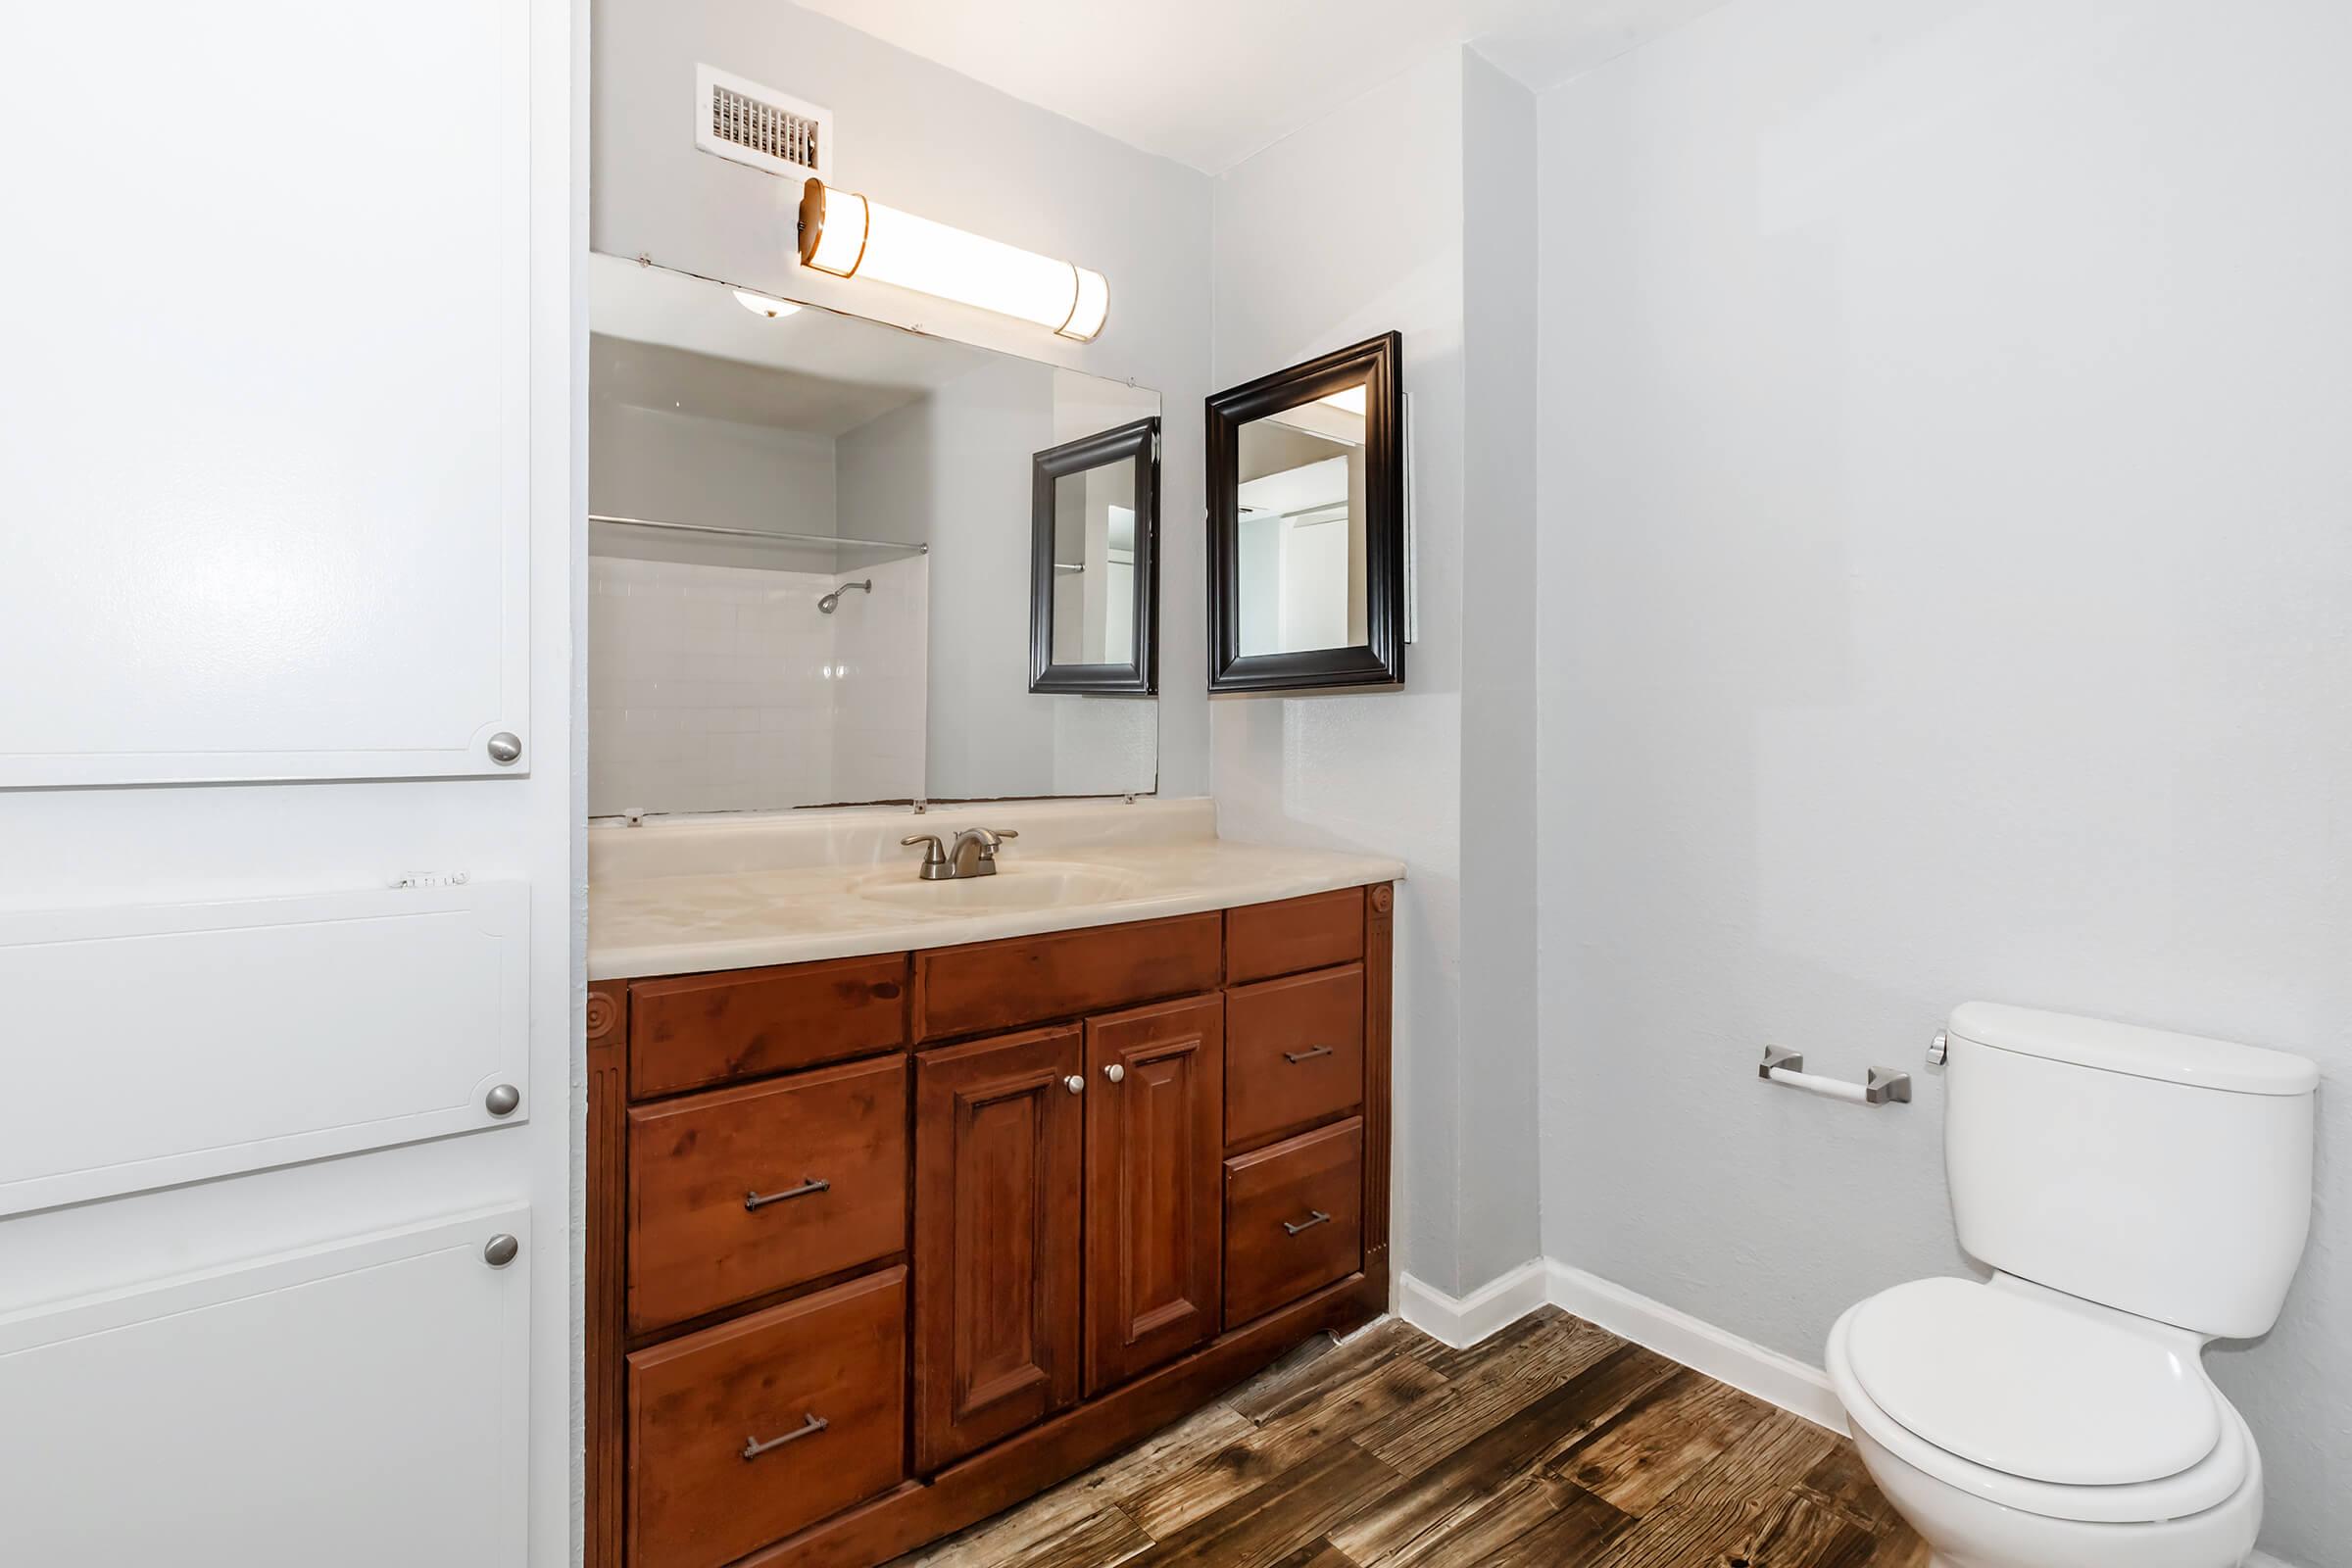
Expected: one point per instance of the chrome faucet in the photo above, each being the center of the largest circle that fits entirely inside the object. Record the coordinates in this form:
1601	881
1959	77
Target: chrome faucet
973	854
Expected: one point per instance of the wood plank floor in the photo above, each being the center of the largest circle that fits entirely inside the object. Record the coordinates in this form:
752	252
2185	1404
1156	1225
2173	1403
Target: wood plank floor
1553	1443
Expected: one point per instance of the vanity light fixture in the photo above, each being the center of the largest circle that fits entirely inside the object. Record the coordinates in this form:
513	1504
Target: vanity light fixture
761	305
850	236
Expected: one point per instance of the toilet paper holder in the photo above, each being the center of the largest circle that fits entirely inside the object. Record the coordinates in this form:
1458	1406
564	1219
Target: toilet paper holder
1782	1067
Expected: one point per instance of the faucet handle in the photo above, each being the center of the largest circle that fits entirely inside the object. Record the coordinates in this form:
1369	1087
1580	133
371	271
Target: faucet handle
935	856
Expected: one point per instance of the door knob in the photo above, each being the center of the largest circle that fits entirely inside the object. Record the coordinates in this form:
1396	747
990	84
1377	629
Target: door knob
1115	1073
505	747
1074	1084
501	1251
502	1099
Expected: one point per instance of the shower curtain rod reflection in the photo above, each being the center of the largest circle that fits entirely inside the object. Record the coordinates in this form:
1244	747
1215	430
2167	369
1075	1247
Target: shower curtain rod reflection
764	534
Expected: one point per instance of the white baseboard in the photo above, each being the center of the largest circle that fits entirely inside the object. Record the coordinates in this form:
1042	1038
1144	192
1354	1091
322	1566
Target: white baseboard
1464	1322
1777	1379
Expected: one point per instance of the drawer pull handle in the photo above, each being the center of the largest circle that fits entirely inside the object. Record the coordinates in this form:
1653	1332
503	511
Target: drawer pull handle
1295	1057
1314	1217
753	1448
752	1200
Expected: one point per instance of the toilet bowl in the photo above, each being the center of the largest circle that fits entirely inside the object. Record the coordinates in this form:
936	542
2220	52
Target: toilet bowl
2138	1193
2003	1386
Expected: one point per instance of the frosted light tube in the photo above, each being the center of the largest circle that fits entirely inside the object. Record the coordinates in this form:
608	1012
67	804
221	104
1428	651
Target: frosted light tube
850	236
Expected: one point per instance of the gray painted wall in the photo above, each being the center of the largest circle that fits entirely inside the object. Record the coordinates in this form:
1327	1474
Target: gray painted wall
1501	1149
953	469
1309	257
1948	584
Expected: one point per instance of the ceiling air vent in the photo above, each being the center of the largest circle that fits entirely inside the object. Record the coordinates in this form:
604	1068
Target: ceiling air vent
761	126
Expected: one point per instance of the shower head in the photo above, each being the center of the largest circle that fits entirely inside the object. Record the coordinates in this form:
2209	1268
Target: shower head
825	605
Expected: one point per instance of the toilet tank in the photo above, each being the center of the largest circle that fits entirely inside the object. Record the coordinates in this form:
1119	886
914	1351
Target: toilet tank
2163	1174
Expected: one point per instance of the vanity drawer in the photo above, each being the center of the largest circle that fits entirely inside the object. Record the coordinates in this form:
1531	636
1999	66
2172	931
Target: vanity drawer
1024	980
1309	933
710	1481
702	1029
1293	1052
722	1201
1294	1219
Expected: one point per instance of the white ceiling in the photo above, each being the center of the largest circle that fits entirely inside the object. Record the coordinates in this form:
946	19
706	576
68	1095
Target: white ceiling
1207	82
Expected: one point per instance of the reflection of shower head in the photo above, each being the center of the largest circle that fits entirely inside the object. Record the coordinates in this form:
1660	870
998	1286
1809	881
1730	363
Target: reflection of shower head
825	605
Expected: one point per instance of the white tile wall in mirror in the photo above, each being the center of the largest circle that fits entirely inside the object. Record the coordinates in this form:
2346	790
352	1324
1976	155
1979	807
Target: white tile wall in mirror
845	619
1304	561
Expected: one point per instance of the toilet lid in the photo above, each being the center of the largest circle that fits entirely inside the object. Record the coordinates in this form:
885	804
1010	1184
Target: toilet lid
2031	1388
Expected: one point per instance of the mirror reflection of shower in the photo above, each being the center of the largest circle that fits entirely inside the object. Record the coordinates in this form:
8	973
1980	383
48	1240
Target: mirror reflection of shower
826	604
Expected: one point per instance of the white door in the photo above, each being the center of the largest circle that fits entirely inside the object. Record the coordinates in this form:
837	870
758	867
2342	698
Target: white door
212	1419
289	987
267	408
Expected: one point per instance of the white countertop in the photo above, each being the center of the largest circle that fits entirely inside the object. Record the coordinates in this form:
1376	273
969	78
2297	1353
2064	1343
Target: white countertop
674	898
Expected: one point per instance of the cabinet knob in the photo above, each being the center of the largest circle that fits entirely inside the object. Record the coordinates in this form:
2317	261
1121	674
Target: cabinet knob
501	1251
1115	1073
506	747
502	1099
1074	1084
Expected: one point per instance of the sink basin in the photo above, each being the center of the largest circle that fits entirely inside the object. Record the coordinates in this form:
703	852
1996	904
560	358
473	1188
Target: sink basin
1026	885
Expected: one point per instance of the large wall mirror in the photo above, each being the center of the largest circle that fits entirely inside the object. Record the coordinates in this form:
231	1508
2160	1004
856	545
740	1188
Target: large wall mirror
811	557
1306	525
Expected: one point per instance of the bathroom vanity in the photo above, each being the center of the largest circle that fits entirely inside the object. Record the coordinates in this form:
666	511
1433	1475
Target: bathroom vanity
923	1175
908	1201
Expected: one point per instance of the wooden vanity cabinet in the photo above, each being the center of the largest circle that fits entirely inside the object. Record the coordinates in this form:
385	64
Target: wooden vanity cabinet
1000	1137
881	1245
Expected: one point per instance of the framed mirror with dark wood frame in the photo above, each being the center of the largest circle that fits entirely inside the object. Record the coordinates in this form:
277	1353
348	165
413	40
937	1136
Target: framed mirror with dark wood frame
1094	568
1306	551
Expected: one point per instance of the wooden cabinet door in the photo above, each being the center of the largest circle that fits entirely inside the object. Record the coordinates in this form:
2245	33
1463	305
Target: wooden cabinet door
1154	1134
999	1162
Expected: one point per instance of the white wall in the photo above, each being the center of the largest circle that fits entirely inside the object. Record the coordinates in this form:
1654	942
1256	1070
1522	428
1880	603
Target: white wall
1948	583
929	140
687	467
726	689
881	681
1309	257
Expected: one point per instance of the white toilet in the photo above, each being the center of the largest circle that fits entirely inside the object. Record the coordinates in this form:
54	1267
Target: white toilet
2138	1193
